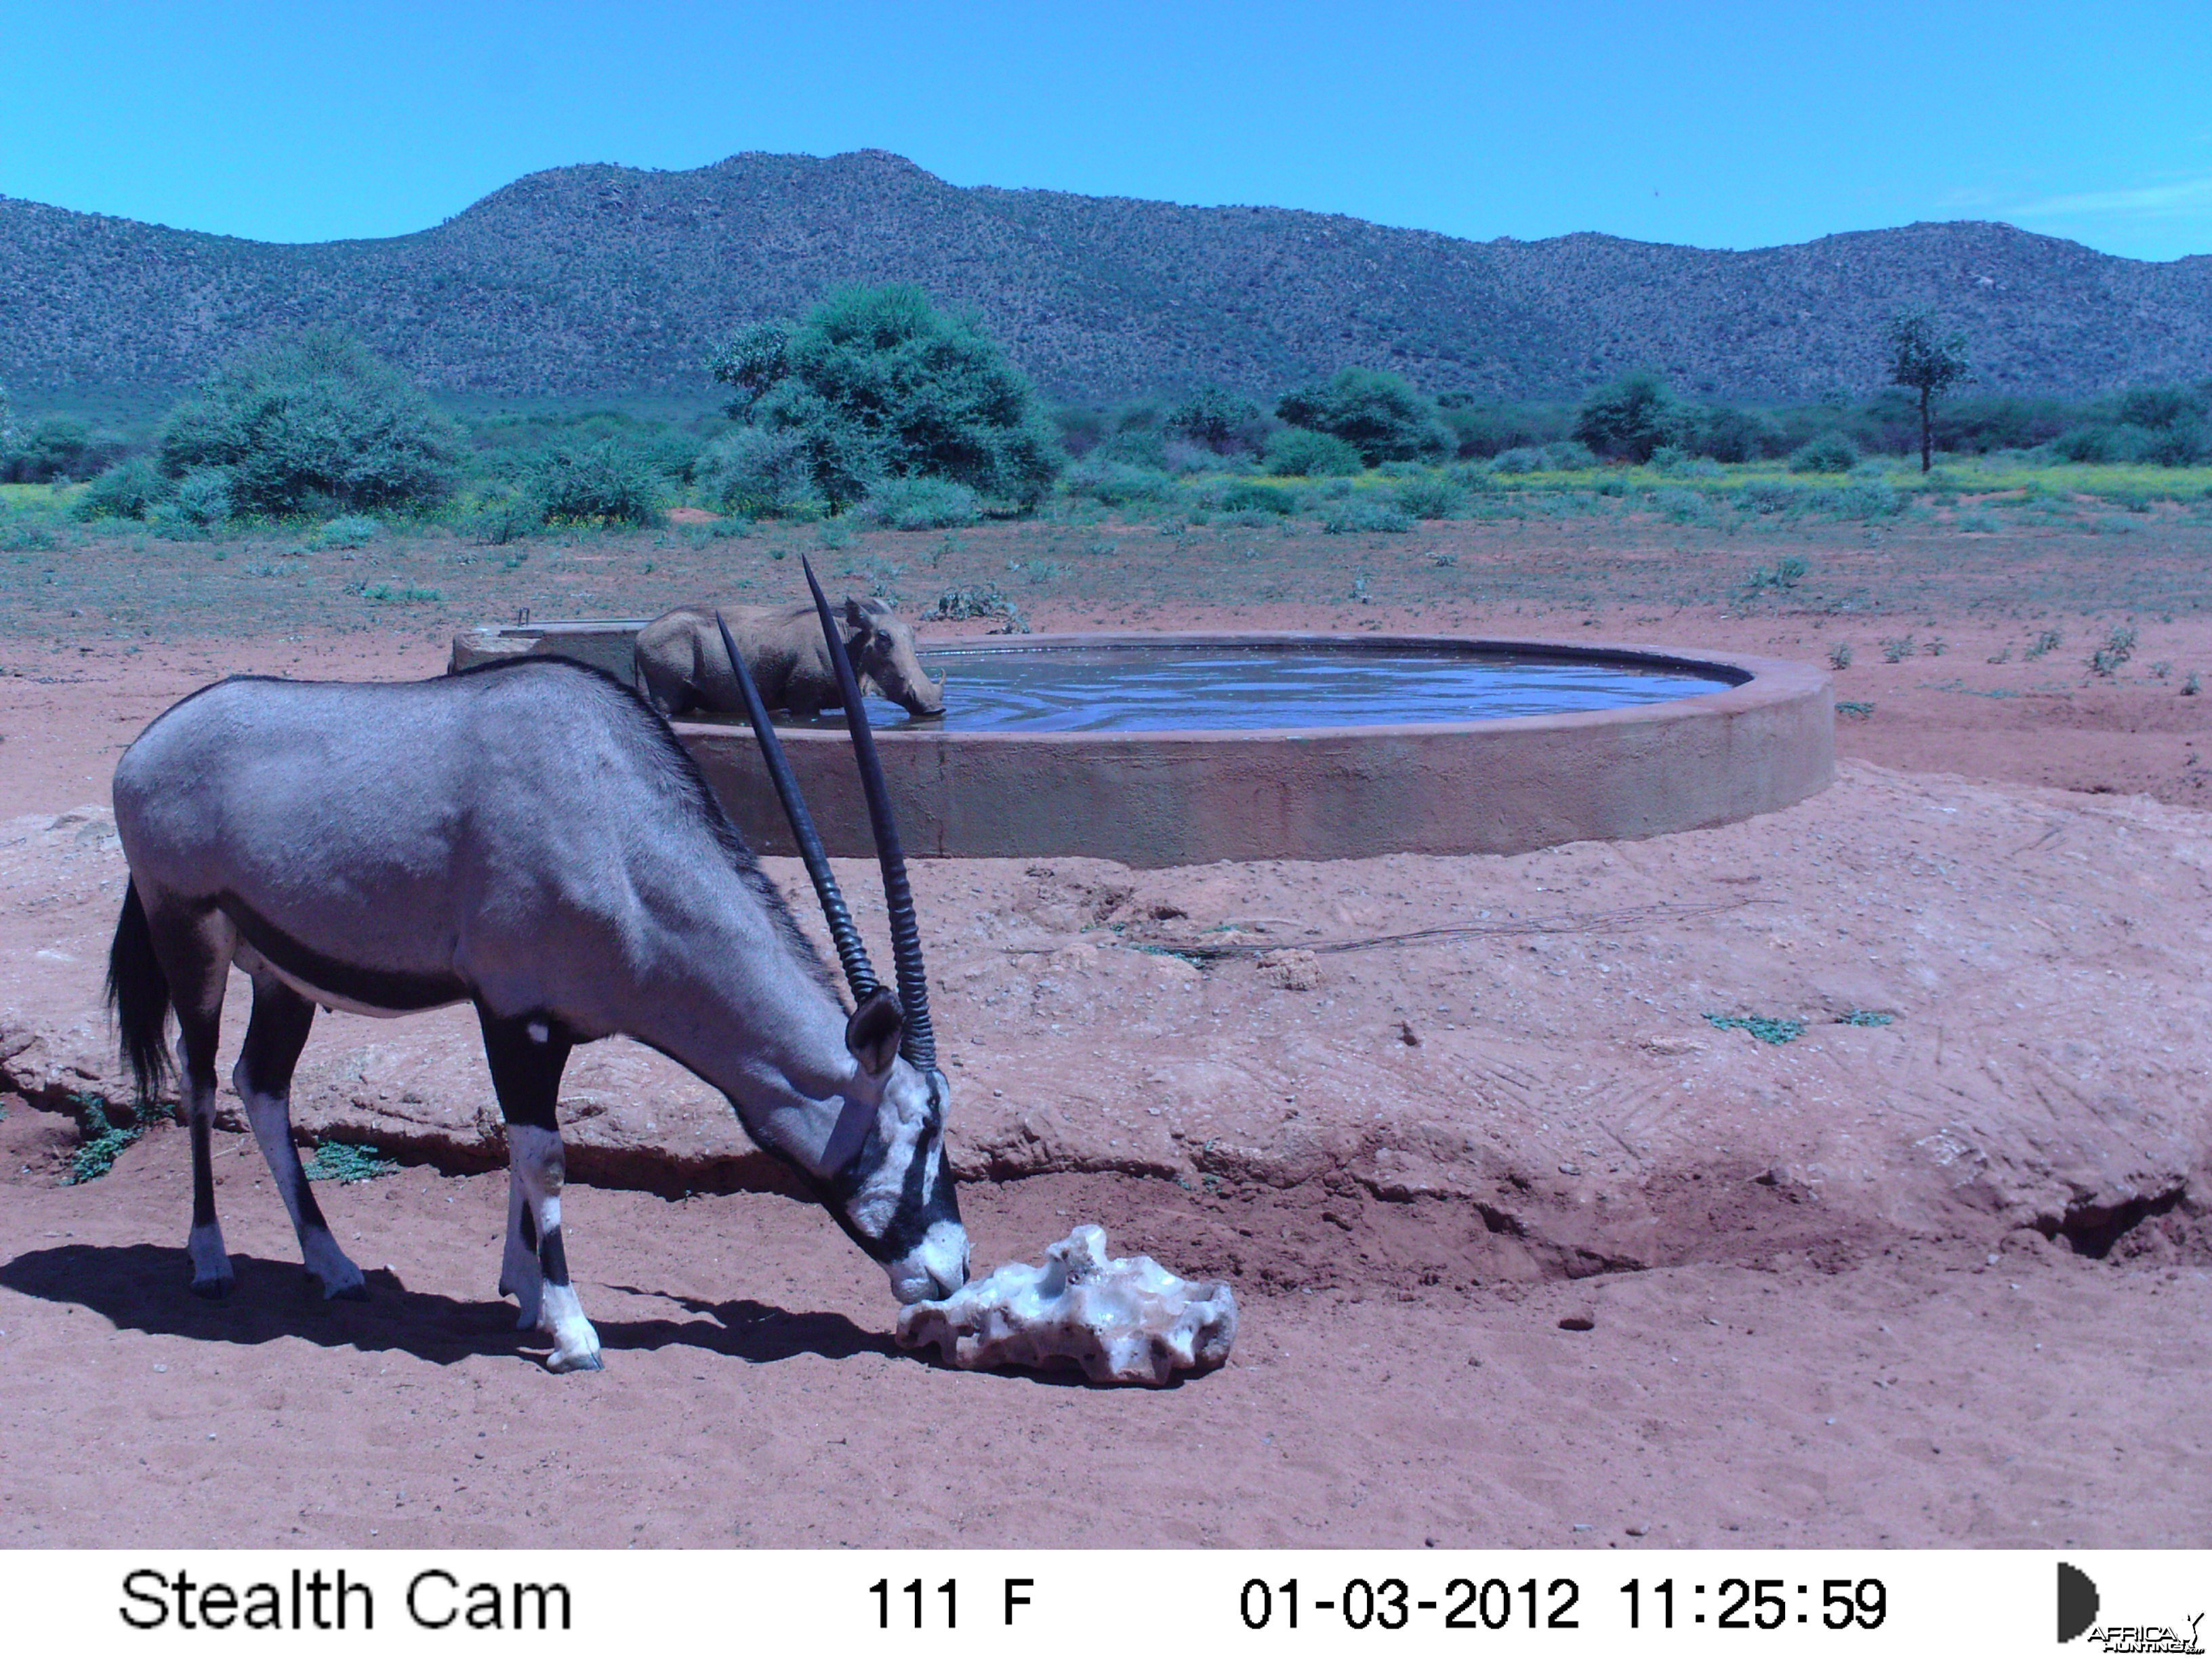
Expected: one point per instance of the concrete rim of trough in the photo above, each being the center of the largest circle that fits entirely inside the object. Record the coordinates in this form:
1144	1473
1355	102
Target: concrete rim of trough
1152	798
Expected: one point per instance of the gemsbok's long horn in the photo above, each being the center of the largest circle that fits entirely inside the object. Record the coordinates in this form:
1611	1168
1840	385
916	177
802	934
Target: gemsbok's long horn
917	1042
859	972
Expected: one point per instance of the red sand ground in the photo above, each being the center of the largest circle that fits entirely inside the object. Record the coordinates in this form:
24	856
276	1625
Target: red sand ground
1822	1346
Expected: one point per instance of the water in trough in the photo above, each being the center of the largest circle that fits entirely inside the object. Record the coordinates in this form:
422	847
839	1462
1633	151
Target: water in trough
1215	688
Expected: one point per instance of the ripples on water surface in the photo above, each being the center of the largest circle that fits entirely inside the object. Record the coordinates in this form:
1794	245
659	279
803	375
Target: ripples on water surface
1152	689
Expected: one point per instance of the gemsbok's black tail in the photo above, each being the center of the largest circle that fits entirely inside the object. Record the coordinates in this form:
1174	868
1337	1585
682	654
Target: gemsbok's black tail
138	997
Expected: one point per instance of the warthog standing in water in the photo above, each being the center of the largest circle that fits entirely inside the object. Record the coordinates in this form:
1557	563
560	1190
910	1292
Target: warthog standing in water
681	665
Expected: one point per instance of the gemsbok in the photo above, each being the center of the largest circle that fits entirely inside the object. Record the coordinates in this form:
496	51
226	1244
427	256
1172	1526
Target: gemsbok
530	838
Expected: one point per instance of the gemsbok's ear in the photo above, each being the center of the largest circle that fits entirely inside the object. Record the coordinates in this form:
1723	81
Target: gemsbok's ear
873	1032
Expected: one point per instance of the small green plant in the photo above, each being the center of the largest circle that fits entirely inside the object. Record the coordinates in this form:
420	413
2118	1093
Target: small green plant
504	517
1897	650
346	1164
1430	496
1295	452
2108	659
921	504
103	1140
129	489
1856	711
1783	577
385	593
1766	1028
1362	516
1830	452
2003	654
351	531
970	604
2044	643
1936	647
596	483
2191	686
1865	1017
1839	655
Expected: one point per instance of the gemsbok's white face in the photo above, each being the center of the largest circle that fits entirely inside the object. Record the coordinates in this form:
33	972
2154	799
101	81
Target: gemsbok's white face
903	1208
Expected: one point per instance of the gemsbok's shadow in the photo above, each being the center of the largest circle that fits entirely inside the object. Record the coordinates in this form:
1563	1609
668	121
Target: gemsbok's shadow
141	1287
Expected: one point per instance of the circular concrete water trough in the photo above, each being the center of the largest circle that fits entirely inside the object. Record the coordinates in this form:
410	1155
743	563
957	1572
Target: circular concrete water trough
1762	738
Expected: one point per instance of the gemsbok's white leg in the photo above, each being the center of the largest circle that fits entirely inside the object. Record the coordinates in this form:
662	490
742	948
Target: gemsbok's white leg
263	1077
536	1164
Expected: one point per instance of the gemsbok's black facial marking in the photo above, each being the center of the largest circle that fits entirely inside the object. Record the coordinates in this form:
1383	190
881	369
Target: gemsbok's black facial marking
528	1225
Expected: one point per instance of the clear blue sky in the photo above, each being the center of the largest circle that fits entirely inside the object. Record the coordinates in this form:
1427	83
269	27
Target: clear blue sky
1724	125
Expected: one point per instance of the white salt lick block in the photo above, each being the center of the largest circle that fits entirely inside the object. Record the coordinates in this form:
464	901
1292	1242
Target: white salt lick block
1121	1319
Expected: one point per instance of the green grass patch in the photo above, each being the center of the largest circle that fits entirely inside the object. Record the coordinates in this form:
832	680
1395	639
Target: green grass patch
1766	1027
344	1162
104	1140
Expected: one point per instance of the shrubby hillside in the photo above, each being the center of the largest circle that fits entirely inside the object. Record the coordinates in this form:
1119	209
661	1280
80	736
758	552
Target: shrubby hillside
599	281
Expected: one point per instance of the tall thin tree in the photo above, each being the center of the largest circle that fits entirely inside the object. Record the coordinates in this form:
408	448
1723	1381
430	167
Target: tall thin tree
1929	363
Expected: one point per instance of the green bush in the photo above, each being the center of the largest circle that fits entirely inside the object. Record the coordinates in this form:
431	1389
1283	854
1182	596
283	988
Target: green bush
1116	484
316	423
1830	452
1364	514
351	530
203	496
1771	496
919	504
57	450
1487	430
1381	415
1729	434
760	472
1297	453
1629	417
1247	495
129	489
1428	497
505	515
1227	423
880	384
602	482
2157	407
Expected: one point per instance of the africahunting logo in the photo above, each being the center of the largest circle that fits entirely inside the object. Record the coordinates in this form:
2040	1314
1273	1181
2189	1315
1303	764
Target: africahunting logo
2079	1604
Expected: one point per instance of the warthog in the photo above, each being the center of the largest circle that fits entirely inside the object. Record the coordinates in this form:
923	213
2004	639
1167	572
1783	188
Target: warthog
681	665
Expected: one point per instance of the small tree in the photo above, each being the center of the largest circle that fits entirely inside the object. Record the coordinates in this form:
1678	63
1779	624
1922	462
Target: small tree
1630	416
1221	420
315	423
880	384
1380	414
1928	364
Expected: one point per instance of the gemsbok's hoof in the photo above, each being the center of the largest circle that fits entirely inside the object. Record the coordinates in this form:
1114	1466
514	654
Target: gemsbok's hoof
587	1361
214	1290
355	1292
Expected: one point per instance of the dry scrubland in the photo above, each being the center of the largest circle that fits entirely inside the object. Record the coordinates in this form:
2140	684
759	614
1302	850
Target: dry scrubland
1532	1251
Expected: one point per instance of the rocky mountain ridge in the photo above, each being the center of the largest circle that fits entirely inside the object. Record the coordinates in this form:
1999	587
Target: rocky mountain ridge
600	280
